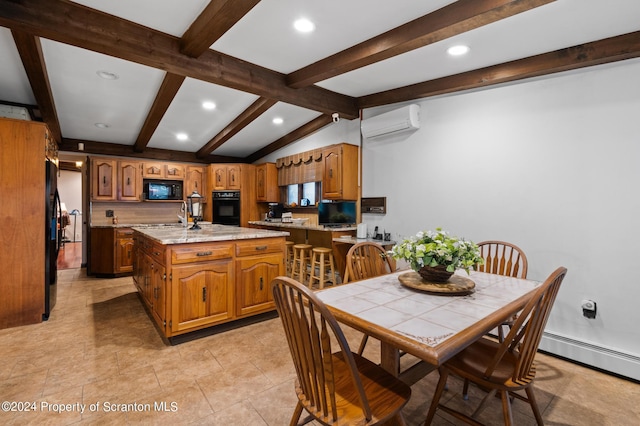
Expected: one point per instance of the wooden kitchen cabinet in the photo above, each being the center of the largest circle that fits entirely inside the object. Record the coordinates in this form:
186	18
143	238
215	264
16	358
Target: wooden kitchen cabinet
24	145
191	286
226	177
195	181
202	295
253	283
257	264
340	172
157	292
150	277
103	179
124	251
233	177
129	181
267	183
113	180
111	251
174	171
162	170
219	173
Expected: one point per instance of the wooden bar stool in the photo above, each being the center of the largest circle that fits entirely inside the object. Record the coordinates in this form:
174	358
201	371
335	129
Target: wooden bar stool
322	259
301	259
289	258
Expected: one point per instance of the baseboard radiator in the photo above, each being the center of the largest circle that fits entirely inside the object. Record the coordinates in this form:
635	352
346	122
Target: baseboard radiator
603	358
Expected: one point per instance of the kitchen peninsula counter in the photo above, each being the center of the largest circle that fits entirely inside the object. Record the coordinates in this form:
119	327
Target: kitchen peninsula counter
190	280
316	235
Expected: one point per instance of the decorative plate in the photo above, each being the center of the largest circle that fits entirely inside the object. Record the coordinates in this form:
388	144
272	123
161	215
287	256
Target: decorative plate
456	286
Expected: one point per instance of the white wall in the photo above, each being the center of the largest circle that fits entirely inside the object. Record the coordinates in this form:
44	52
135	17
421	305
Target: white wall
552	165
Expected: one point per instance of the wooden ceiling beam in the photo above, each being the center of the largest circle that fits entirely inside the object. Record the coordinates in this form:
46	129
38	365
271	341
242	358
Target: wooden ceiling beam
301	132
240	122
30	51
218	17
80	26
168	90
456	18
612	49
120	150
215	20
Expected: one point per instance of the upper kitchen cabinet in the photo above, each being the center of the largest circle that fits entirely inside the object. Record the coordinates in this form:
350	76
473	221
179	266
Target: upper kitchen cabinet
113	180
162	170
195	180
103	179
129	181
267	183
340	172
226	176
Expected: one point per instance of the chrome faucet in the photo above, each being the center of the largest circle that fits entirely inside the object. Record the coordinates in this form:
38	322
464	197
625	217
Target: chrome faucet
183	219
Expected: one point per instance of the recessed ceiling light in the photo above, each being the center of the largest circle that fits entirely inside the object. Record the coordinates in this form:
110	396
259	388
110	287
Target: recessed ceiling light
107	75
208	105
277	120
304	25
182	136
458	50
101	125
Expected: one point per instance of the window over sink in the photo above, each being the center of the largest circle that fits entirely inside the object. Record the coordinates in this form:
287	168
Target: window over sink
303	194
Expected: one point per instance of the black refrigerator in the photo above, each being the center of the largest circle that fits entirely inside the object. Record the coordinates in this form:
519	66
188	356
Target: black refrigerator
53	238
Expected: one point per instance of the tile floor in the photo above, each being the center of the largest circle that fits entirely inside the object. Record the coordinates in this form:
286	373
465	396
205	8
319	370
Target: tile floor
99	347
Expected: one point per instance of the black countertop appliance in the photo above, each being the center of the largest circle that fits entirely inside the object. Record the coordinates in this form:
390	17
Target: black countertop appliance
275	211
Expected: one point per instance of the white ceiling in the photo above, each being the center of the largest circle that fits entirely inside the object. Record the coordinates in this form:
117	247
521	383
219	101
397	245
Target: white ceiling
265	37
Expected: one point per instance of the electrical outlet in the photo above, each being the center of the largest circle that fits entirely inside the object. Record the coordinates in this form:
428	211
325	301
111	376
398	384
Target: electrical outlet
589	308
109	213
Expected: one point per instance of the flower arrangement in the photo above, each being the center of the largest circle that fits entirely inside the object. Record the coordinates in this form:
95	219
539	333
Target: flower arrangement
429	248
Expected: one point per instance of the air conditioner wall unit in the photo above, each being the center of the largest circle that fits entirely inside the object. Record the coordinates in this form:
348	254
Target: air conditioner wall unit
392	122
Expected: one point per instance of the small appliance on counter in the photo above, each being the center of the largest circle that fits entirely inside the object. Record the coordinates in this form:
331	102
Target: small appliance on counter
362	231
275	212
287	217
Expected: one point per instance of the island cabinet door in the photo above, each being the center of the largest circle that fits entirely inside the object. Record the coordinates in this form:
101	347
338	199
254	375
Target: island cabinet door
157	279
253	283
201	295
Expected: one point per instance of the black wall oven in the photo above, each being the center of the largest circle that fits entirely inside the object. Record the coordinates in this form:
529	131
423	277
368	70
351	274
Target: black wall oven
226	207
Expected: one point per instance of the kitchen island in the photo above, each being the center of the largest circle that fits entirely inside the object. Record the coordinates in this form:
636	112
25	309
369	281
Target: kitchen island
190	280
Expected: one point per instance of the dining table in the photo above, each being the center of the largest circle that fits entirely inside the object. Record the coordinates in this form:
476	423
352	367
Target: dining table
432	325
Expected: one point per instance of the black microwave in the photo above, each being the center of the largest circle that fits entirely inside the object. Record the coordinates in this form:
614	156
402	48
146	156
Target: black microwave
162	190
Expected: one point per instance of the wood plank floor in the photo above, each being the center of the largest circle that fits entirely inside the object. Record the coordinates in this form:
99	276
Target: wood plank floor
70	256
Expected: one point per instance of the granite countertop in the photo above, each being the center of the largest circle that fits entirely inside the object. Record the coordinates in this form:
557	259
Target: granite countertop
209	233
348	239
146	225
303	226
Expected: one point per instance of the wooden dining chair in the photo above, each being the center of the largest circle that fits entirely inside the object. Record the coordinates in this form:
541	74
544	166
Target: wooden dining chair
504	367
506	259
338	387
502	258
366	260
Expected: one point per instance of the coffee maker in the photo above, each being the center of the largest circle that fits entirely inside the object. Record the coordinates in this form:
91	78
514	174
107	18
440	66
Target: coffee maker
275	212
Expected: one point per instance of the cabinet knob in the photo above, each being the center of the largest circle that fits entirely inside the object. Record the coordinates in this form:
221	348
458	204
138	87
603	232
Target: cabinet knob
261	283
261	248
204	294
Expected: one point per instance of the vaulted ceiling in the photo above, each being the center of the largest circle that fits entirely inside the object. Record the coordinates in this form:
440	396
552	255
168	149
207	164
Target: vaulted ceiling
164	58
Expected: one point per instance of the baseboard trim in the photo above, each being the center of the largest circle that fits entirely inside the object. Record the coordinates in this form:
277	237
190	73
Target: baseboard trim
603	358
